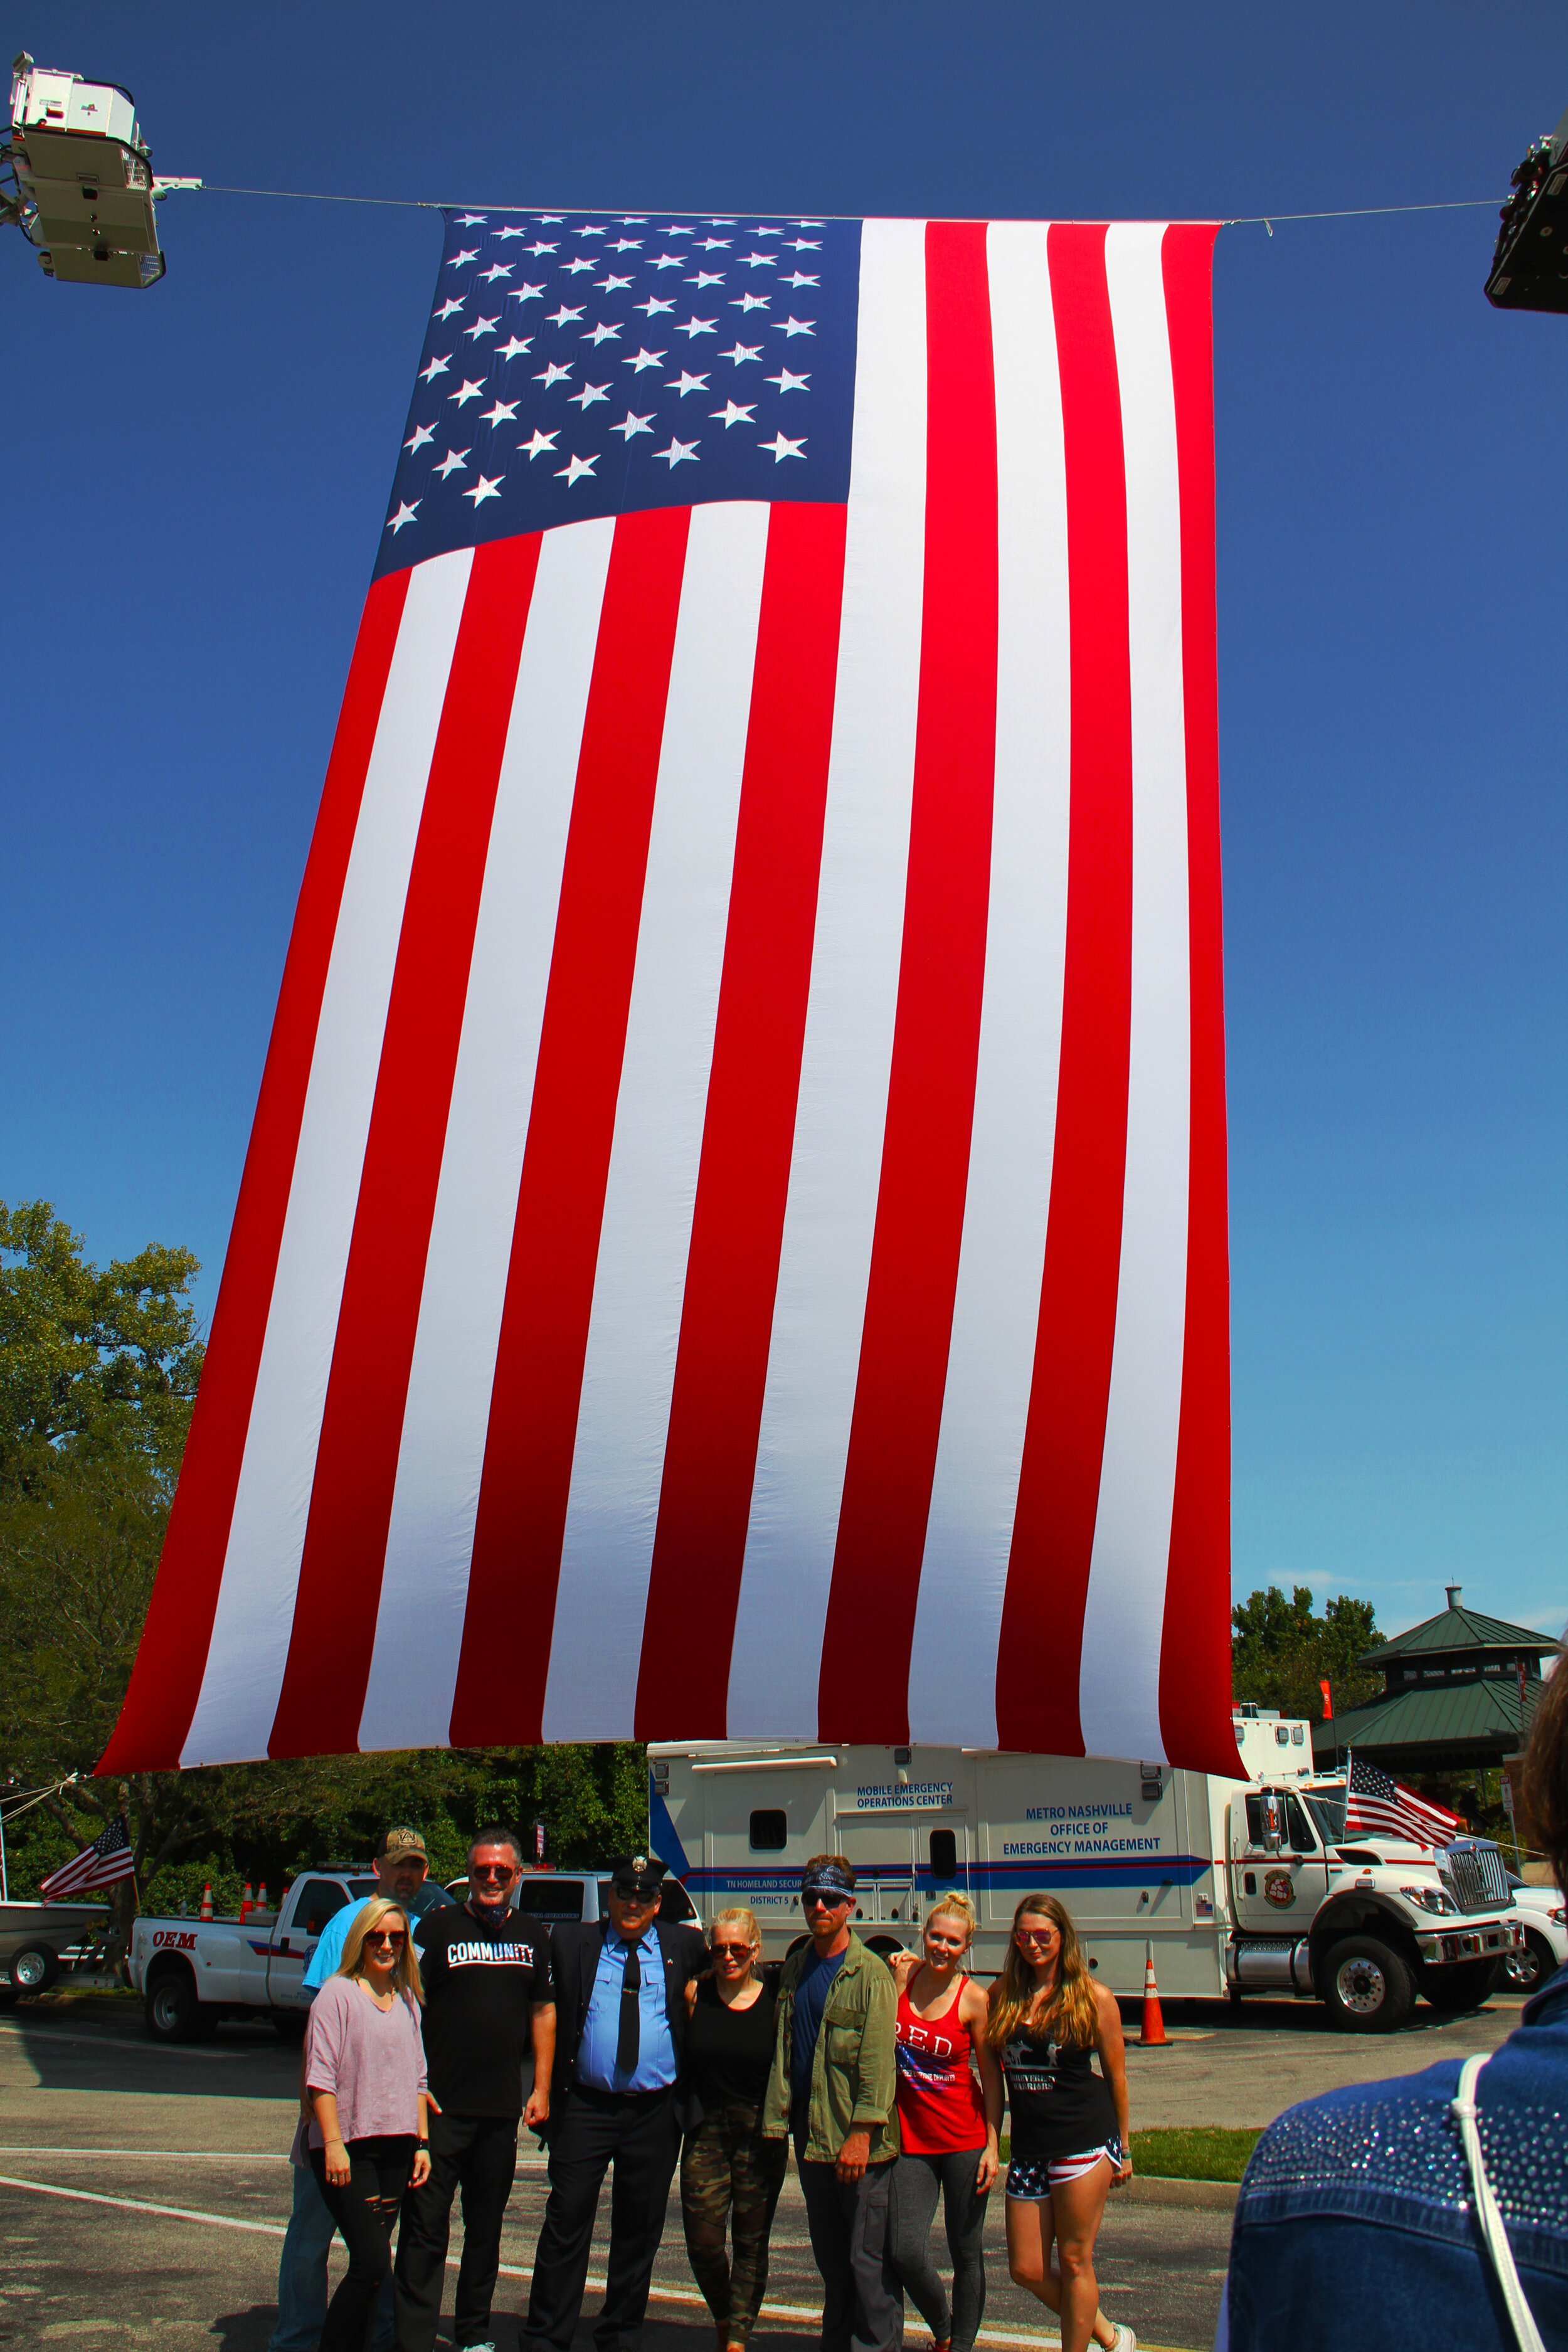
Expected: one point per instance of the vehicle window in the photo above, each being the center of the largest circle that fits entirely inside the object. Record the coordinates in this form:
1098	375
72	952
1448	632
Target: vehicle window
945	1854
676	1903
362	1889
1329	1811
1296	1829
1254	1821
319	1900
769	1831
551	1900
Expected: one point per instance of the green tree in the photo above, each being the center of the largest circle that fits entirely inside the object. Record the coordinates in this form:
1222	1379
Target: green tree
1280	1651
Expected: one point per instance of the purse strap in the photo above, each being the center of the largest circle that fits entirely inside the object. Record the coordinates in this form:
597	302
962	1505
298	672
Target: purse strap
1494	2237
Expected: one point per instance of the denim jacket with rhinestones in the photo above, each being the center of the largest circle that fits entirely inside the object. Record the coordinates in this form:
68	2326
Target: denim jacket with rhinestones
1354	2226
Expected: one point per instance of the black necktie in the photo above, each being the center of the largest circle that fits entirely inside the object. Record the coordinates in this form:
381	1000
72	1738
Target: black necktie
626	2040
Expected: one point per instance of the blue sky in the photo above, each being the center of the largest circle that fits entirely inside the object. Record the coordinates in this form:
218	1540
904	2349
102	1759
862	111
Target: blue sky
197	479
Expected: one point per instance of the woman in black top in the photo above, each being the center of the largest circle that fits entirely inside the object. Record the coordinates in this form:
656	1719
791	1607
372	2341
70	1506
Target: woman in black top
1070	2136
729	2173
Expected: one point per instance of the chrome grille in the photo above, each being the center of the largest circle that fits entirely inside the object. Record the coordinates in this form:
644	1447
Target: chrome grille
1474	1876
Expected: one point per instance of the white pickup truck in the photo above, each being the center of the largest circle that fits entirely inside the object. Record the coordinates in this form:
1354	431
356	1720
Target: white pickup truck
192	1972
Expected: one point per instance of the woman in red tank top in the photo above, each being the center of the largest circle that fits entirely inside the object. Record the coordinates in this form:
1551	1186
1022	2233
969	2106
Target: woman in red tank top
950	2114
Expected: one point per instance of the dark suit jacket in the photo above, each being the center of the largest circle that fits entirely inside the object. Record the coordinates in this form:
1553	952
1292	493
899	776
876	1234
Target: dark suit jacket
575	1950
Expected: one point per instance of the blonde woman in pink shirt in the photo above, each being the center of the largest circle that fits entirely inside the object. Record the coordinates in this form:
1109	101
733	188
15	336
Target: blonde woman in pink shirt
364	2075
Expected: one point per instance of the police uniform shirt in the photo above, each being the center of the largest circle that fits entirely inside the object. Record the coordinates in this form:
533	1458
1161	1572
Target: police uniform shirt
481	1987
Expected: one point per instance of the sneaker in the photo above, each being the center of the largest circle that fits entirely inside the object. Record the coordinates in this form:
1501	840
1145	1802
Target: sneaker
1124	2340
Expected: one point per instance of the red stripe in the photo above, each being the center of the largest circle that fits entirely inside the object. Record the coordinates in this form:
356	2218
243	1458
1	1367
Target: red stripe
936	1037
538	1382
1059	1486
323	1697
742	1184
1195	1654
156	1715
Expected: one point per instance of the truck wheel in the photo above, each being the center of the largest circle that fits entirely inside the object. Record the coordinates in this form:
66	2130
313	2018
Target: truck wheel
1367	1987
172	2010
1524	1971
33	1970
1464	1986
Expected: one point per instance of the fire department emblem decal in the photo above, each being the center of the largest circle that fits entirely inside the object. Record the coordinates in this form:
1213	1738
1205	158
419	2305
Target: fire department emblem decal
1278	1886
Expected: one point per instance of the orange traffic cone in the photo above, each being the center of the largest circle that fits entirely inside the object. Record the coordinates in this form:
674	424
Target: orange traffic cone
245	1902
261	1898
1152	2036
206	1908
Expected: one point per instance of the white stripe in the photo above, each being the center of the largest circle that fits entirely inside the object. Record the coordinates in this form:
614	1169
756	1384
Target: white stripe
835	1168
255	1613
634	1326
429	1544
991	1361
1124	1613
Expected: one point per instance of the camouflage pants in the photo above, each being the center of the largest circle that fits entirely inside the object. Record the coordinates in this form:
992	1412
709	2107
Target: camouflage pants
730	2175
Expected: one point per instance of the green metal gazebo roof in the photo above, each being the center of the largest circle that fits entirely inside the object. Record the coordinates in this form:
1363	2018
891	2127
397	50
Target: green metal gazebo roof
1455	1628
1472	1722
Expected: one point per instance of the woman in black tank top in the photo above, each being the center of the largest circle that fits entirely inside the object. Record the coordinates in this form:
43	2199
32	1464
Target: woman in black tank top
1071	2137
730	2175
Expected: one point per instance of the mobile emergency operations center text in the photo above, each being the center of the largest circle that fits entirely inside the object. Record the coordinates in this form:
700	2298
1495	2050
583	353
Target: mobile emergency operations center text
1238	1884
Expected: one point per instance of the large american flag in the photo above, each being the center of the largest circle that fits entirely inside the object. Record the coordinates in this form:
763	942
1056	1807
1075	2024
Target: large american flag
1376	1805
107	1858
733	1240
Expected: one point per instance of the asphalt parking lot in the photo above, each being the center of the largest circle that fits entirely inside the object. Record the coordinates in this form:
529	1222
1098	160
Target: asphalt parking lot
143	2189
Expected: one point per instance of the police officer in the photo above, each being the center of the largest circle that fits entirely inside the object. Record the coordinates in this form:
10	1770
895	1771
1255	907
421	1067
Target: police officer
620	2007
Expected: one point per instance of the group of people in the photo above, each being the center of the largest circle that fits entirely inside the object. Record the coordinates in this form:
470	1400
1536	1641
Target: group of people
439	2029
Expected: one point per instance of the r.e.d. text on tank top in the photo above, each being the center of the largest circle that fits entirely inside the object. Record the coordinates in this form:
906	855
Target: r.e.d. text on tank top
941	2109
1057	2102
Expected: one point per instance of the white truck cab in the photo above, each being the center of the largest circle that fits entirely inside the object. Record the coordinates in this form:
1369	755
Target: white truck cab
192	1972
1235	1885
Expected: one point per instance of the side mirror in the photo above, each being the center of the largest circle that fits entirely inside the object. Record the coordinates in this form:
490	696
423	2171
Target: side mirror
1273	1824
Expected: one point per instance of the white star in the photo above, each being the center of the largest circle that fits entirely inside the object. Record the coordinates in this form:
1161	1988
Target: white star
571	269
741	352
684	384
452	463
589	395
792	326
482	489
643	359
721	220
752	302
498	269
540	442
524	293
406	513
470	220
732	414
677	453
539	247
483	326
626	244
576	466
608	285
511	348
676	228
421	433
503	413
590	232
458	258
631	424
436	368
653	306
601	334
670	262
693	328
783	448
799	277
468	391
502	233
562	317
551	373
706	277
550	220
447	310
763	231
759	260
787	383
713	244
805	244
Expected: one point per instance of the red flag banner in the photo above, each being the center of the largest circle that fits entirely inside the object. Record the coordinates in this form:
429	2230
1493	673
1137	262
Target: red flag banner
733	1241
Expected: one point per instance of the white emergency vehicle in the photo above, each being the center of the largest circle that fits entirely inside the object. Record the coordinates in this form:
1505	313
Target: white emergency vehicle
1238	1885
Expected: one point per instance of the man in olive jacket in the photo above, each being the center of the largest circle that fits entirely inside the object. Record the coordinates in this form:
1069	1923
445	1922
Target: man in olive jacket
833	2090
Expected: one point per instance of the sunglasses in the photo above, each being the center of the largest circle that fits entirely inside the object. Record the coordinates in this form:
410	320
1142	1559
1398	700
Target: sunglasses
825	1902
493	1870
731	1951
1033	1935
393	1936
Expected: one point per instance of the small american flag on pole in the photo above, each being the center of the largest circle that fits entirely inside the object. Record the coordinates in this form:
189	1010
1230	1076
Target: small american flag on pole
1377	1806
109	1857
734	1239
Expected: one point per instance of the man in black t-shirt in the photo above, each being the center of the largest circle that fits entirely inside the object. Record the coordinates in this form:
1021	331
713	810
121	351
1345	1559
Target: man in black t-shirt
489	2045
